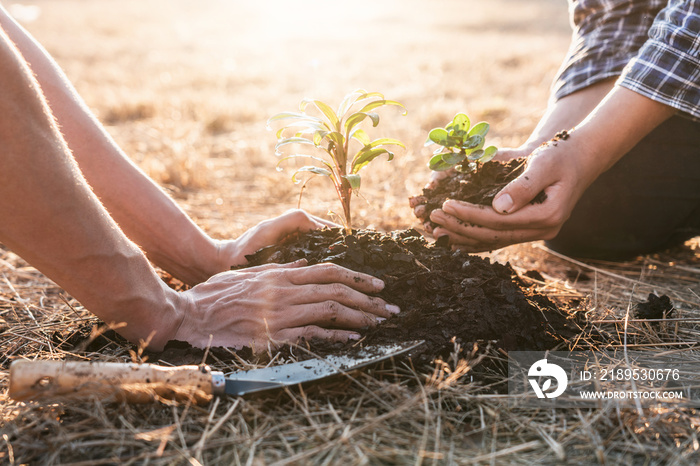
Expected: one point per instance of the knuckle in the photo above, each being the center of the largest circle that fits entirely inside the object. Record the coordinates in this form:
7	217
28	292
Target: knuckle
339	291
297	214
331	268
377	303
331	310
326	269
311	331
276	277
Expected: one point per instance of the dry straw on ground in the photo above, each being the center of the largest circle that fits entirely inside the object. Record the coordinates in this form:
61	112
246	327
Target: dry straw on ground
185	88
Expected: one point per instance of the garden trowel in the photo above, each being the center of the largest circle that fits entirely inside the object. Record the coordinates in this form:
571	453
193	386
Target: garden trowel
140	383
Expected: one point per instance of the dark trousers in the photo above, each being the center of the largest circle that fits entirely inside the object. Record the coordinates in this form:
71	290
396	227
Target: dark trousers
648	201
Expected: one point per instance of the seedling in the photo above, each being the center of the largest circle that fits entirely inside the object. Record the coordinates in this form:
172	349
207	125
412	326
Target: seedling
331	135
459	143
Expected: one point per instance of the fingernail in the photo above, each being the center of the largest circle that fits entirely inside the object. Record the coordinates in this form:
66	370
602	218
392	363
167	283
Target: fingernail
503	203
354	336
393	309
380	319
448	207
377	283
437	216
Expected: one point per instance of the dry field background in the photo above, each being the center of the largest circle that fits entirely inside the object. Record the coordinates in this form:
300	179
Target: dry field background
186	87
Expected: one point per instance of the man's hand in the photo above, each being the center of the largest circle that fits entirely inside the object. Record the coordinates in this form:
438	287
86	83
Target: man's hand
266	233
281	303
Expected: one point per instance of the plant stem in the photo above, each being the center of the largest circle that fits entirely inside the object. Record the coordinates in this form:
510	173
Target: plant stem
345	198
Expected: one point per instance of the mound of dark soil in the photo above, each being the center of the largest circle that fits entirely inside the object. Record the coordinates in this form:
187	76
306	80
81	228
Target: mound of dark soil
443	294
447	298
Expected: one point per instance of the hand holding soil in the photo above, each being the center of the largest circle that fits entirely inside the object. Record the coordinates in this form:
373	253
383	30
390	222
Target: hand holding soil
281	303
420	204
562	169
515	215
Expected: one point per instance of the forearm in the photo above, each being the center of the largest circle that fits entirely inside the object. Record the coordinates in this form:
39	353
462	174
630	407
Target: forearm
616	125
144	212
51	218
567	112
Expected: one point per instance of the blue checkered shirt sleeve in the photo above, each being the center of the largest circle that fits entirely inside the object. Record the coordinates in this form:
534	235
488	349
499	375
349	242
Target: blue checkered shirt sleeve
652	45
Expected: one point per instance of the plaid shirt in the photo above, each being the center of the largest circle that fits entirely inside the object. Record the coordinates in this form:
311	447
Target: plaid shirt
652	45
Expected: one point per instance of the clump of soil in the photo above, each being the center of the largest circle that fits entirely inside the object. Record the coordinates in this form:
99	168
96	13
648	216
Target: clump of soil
655	307
478	187
443	294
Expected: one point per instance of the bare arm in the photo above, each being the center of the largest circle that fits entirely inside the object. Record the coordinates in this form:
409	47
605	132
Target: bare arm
144	212
565	113
562	170
53	220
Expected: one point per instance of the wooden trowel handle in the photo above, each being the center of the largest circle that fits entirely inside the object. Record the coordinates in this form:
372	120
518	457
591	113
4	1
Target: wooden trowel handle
134	383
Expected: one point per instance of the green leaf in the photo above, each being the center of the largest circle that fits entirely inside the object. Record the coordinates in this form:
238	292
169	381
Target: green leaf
453	158
480	128
294	140
295	115
349	100
360	95
473	142
489	153
383	142
457	135
374	117
460	122
438	136
366	155
381	103
313	124
285	116
355	119
476	155
337	138
354	180
312	169
304	132
437	164
360	135
325	109
318	137
367	96
370	95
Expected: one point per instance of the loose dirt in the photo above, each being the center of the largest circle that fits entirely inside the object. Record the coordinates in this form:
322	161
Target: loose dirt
445	296
478	187
449	299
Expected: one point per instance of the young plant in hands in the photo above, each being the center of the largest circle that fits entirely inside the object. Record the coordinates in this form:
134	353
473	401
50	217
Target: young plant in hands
459	144
331	135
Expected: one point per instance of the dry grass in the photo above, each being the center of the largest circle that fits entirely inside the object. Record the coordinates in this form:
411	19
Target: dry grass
185	88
